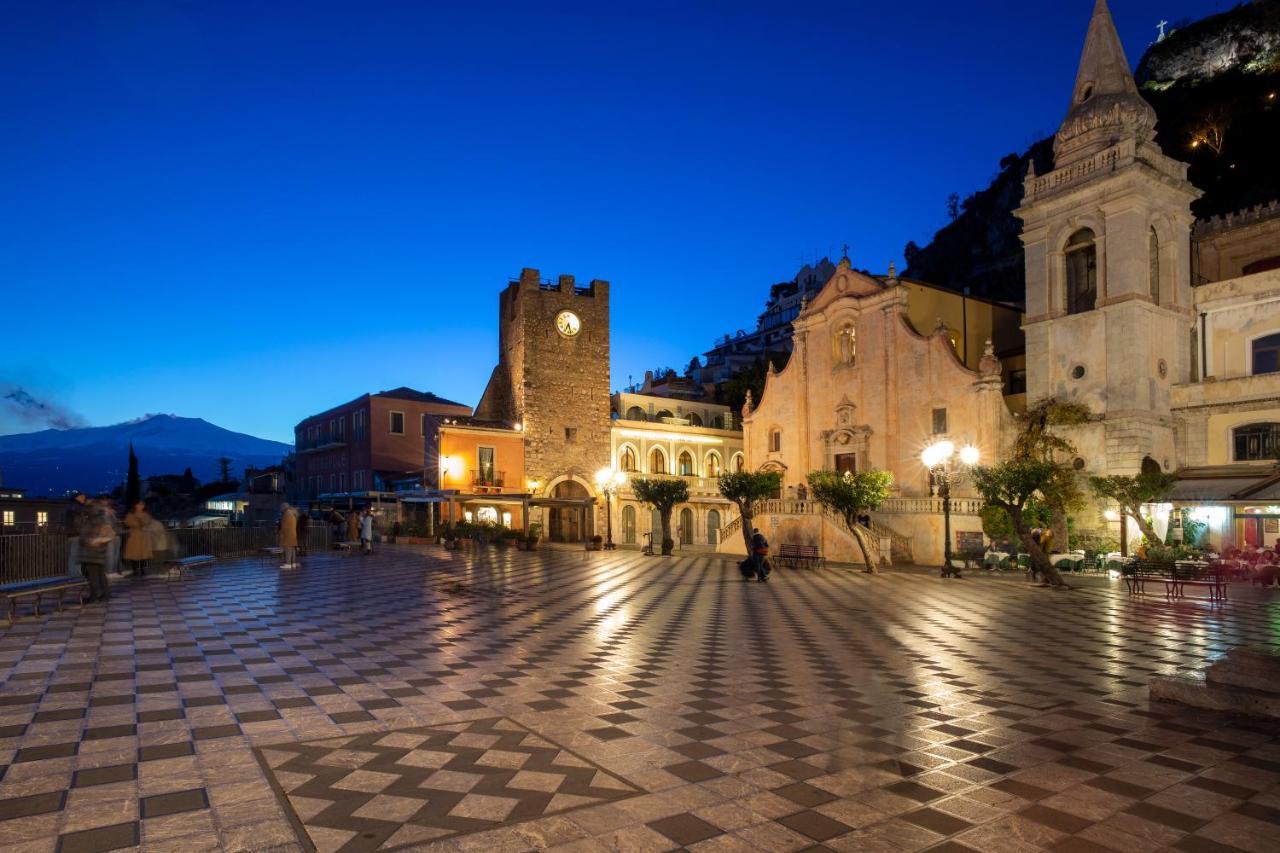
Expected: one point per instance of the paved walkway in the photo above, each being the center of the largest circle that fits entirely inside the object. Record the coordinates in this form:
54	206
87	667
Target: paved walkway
514	701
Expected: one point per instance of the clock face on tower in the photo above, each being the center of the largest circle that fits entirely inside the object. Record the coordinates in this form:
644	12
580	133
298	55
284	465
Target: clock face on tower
568	324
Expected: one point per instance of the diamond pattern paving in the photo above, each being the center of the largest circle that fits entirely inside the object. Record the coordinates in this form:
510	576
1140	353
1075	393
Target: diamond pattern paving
504	700
386	789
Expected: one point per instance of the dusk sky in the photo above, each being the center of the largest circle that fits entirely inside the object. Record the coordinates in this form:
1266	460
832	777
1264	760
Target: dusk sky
250	212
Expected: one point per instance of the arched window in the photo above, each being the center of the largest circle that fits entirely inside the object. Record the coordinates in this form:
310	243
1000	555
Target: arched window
686	526
686	464
1256	441
1153	261
628	525
846	345
713	527
694	419
717	422
635	413
657	461
1082	272
1266	354
663	414
627	462
712	464
775	441
739	463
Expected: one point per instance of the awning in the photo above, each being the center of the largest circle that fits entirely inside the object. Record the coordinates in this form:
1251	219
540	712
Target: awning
1223	484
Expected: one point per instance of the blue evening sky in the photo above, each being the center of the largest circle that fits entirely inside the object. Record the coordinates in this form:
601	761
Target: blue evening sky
249	211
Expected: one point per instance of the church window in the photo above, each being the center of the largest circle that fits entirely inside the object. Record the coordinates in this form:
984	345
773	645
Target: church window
939	421
397	423
713	465
635	413
739	463
775	441
1082	272
1266	354
686	464
1153	251
847	463
628	461
657	462
1256	441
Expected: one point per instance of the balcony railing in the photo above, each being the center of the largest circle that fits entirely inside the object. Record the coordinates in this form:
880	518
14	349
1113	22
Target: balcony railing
322	442
488	479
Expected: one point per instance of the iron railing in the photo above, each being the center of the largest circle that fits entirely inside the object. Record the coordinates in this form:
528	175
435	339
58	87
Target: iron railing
29	556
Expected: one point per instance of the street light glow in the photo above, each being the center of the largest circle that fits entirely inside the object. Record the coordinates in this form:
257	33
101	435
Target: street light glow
937	453
969	455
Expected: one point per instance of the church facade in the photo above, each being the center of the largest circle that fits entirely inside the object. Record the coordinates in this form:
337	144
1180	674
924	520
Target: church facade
1179	373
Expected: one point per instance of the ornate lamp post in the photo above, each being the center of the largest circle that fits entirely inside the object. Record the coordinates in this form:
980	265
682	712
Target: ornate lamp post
609	480
945	464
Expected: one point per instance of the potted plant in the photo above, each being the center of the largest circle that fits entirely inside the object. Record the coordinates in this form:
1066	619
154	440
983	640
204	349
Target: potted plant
531	536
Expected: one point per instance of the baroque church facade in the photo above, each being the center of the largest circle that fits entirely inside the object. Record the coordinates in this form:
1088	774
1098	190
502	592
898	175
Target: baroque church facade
1179	373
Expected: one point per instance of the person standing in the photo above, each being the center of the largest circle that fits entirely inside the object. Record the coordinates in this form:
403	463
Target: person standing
304	522
759	550
96	535
137	547
289	536
353	526
366	531
71	522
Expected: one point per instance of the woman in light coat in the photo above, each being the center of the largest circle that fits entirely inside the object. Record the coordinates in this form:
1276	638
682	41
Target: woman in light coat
289	536
137	547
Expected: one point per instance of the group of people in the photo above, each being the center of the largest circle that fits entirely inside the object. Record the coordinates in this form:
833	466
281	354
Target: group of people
93	531
293	527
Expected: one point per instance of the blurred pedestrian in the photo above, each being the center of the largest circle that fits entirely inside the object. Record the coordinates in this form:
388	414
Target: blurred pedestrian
289	536
71	521
366	531
353	526
97	533
137	547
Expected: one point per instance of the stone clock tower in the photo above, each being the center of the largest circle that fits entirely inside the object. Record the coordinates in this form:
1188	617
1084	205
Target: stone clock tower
552	379
1109	316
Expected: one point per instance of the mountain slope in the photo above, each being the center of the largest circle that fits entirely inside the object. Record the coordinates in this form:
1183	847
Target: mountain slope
95	459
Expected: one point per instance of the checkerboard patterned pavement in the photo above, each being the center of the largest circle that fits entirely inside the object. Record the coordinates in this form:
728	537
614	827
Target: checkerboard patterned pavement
514	701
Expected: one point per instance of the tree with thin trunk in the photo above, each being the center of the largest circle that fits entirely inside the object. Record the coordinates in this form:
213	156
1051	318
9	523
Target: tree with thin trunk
224	469
662	494
746	488
1038	438
1011	486
1131	492
849	495
133	484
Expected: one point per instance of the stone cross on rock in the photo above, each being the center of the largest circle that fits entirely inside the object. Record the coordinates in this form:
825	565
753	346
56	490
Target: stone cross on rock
1161	26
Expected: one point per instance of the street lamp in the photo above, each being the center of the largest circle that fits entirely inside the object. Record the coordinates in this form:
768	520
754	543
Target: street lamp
609	480
945	464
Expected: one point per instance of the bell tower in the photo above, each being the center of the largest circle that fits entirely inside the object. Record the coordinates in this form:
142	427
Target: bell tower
1107	241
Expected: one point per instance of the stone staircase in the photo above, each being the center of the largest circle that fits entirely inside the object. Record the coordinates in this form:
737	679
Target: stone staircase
900	545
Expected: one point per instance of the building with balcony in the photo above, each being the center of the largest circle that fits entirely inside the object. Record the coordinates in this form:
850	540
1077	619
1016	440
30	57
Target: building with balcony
663	437
366	445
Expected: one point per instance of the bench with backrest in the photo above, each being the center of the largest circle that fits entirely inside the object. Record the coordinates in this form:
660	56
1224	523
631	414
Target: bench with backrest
37	589
179	566
799	556
1176	577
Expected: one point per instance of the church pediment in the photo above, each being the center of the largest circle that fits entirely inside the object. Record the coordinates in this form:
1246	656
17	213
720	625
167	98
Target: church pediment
847	282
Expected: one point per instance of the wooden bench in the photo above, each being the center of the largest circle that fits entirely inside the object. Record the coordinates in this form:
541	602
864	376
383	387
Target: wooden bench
37	589
799	556
177	567
1176	579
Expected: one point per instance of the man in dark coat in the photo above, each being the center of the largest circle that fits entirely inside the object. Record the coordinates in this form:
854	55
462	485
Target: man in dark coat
97	533
759	550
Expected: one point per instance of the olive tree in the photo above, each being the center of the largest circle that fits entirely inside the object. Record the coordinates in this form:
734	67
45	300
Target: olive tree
1131	492
745	488
849	495
662	494
1011	486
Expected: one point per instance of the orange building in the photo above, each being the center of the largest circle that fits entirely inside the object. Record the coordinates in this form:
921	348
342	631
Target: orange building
481	472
